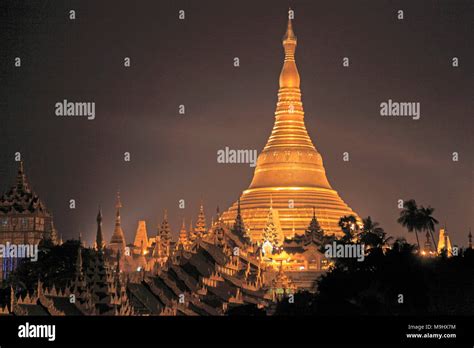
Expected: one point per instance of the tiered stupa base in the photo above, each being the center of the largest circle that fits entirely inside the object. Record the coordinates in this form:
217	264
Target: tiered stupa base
255	204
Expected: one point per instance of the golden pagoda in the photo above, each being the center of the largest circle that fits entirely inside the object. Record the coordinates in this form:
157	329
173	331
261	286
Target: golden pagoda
290	170
141	237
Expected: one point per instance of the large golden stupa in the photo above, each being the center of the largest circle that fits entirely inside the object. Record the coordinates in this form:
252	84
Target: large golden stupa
289	176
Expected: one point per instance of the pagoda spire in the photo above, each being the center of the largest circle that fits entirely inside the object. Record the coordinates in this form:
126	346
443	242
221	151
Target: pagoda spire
183	236
239	225
191	233
99	239
118	205
289	130
78	284
79	261
313	233
117	242
21	181
272	232
201	229
165	234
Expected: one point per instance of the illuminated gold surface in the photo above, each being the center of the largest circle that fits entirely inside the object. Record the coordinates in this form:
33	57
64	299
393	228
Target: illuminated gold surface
290	169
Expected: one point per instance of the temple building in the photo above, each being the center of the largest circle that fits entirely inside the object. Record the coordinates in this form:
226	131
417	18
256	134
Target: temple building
444	242
24	219
290	170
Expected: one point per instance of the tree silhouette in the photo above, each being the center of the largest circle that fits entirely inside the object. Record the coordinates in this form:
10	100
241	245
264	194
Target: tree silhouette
428	222
410	218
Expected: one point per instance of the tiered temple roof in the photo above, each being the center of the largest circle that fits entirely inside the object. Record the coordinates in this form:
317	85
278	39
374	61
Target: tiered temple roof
204	282
22	211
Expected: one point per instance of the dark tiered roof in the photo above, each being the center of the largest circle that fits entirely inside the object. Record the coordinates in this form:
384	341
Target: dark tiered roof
185	277
20	199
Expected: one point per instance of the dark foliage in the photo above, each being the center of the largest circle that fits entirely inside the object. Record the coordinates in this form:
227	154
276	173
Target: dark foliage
438	286
55	266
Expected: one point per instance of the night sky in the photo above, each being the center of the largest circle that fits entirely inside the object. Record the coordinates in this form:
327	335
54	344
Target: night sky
190	62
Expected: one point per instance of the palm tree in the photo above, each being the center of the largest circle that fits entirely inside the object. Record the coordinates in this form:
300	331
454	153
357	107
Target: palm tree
428	222
348	225
410	218
370	226
373	235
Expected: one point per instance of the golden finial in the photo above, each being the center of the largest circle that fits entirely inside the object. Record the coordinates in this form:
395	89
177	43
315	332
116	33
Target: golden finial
289	76
289	35
119	203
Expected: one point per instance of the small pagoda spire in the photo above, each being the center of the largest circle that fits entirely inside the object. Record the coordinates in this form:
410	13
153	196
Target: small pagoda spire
183	236
99	239
165	234
79	260
191	230
21	181
201	229
117	242
118	205
313	233
272	232
78	282
239	225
